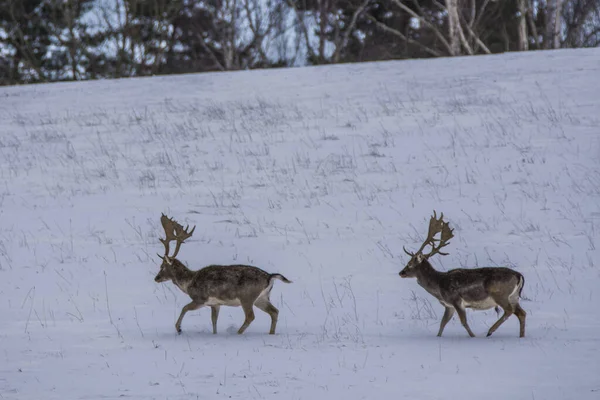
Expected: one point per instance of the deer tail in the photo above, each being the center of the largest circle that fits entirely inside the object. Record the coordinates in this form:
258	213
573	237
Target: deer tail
280	277
521	284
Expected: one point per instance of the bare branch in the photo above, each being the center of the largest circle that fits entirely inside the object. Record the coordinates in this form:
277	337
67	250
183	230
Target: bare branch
302	25
532	26
435	30
209	51
344	42
396	32
255	27
478	41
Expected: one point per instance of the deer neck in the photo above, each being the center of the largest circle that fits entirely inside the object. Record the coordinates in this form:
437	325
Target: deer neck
182	276
429	279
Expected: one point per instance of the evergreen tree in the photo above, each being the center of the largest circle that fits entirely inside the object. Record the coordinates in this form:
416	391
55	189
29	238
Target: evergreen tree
41	39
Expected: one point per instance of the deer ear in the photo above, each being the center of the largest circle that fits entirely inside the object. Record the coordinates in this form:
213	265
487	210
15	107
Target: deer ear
421	258
168	260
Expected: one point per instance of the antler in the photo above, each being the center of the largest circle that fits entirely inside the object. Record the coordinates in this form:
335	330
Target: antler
435	226
174	231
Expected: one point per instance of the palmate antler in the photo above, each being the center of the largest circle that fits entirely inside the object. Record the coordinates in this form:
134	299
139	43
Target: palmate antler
173	231
435	226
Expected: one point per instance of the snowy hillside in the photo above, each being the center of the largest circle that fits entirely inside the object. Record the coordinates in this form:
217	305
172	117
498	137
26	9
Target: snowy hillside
321	174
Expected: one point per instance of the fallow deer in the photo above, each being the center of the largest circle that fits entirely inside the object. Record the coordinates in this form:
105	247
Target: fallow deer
216	285
461	288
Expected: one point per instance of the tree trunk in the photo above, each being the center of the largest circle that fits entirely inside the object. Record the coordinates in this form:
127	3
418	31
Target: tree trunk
73	42
453	27
323	16
557	24
553	24
532	26
523	39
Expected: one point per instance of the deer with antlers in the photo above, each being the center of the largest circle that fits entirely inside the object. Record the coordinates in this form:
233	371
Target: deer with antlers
216	285
461	288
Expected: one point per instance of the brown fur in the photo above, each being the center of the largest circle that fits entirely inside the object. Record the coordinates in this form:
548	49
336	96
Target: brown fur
216	285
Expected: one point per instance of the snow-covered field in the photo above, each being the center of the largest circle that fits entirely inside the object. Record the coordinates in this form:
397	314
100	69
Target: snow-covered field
321	174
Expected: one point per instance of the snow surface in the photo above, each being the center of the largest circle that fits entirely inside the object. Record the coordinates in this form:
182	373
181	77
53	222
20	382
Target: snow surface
321	174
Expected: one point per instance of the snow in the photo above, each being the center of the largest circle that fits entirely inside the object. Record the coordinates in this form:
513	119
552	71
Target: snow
321	174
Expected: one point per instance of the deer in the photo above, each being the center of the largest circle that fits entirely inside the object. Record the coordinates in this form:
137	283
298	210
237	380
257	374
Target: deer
461	288
216	285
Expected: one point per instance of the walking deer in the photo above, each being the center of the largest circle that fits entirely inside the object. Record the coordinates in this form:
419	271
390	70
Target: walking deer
216	285
461	288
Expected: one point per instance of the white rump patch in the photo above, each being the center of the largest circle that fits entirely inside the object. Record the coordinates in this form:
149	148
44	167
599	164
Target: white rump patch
513	298
264	295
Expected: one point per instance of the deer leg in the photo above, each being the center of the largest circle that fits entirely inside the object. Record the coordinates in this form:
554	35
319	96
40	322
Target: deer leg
214	316
507	313
447	317
521	314
247	307
189	307
266	306
462	314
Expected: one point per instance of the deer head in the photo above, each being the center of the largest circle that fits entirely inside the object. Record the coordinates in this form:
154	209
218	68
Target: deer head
173	231
417	259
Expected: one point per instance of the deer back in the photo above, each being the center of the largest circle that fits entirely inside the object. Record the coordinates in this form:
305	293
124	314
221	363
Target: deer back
480	287
228	283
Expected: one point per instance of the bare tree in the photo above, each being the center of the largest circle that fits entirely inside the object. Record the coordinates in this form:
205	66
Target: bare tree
523	36
116	18
553	24
341	38
454	28
461	17
71	40
581	20
322	28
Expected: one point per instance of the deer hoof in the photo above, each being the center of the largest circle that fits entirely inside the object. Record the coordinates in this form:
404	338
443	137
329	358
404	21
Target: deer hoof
489	334
178	330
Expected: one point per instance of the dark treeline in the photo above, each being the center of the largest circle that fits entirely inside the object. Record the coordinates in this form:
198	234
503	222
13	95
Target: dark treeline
56	40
